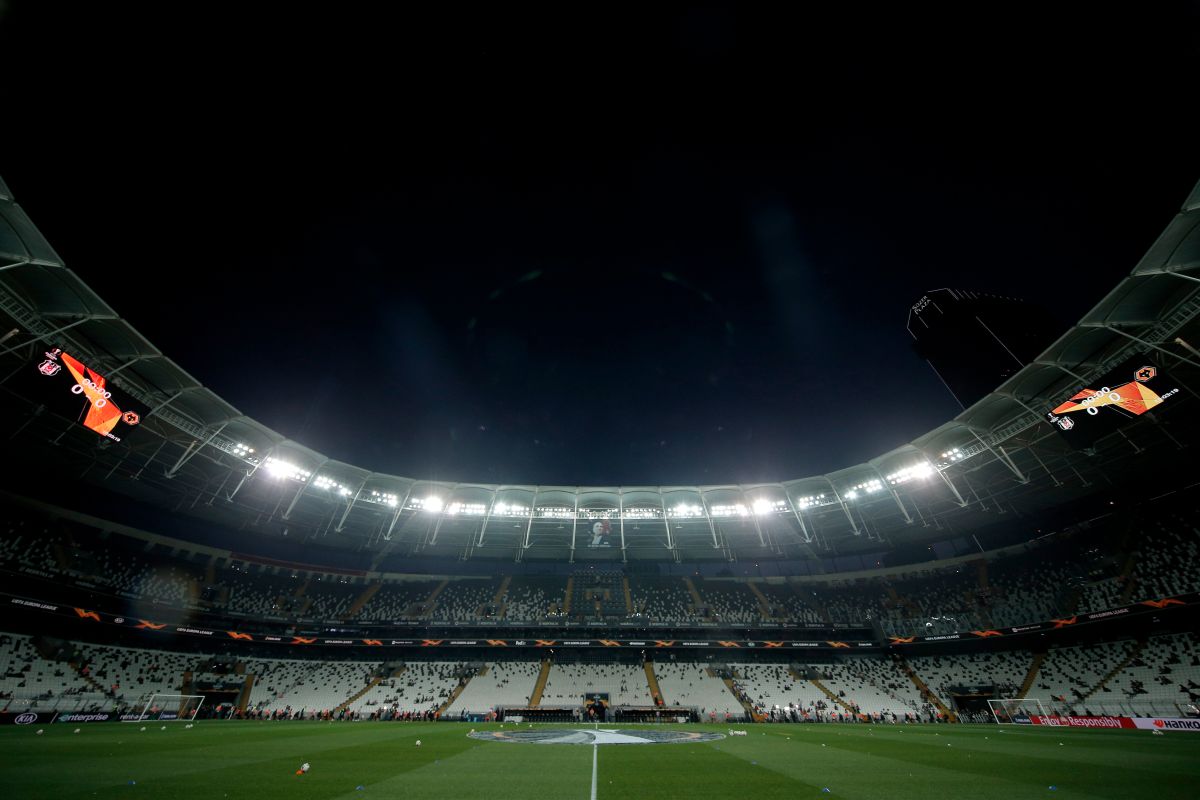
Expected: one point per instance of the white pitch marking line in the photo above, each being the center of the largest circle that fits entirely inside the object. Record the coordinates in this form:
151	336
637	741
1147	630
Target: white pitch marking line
593	772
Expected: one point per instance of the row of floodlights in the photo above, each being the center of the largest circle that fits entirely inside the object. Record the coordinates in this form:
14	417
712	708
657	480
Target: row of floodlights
760	507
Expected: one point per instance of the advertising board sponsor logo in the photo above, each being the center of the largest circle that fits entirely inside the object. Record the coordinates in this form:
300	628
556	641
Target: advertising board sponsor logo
101	716
598	736
1169	601
1112	612
33	604
1168	723
27	717
1082	722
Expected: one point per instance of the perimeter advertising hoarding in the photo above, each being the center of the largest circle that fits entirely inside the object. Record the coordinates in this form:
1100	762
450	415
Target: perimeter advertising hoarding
67	386
27	717
1082	722
1191	724
87	716
1144	723
1133	388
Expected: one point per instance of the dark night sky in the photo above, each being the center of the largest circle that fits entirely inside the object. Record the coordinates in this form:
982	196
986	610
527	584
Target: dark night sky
590	246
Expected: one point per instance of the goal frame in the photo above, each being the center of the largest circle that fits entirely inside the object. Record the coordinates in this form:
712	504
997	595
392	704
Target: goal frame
1007	704
168	697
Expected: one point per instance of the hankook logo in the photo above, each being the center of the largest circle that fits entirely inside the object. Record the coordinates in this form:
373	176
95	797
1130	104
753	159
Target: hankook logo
597	736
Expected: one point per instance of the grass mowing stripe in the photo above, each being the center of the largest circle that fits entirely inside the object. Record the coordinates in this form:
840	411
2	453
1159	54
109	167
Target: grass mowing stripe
594	748
257	761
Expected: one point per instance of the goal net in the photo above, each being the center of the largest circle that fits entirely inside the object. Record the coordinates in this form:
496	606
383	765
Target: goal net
1016	710
170	708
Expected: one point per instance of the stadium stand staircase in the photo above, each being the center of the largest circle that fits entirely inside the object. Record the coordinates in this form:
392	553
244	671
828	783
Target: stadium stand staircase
87	678
375	681
982	590
567	593
833	698
925	692
1031	675
811	602
1133	654
764	605
433	596
535	699
498	597
652	682
243	698
697	601
1126	577
749	709
302	588
454	693
628	596
60	556
363	599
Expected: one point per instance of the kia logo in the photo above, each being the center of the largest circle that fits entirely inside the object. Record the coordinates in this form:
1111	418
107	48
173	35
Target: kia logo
25	719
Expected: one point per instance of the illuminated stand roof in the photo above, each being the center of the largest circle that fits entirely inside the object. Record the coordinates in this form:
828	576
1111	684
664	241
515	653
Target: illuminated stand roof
206	456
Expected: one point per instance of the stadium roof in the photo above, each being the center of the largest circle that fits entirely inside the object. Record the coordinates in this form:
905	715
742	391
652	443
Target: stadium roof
992	458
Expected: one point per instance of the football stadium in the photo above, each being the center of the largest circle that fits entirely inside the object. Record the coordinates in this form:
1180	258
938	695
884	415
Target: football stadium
204	601
195	601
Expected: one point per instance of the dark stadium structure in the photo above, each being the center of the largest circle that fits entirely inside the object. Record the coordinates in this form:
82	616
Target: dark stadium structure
1042	544
976	341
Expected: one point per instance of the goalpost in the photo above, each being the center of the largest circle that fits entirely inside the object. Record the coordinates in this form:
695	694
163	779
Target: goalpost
171	708
1016	710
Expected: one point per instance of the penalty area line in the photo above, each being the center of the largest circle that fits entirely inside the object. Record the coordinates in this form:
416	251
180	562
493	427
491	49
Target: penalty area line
593	772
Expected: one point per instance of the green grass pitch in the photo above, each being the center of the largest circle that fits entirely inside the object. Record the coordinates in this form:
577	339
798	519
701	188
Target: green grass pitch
258	761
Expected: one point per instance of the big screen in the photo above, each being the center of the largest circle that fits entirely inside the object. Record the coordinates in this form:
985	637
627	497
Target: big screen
1134	388
71	388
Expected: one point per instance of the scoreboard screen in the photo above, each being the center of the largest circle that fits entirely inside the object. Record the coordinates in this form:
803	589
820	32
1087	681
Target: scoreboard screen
67	386
1134	388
